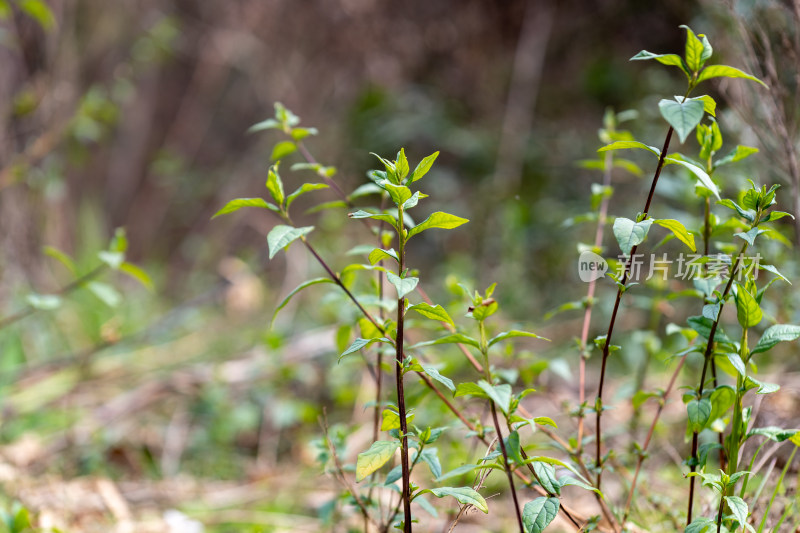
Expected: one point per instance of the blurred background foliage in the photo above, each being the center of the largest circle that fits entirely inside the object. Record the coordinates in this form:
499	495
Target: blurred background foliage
134	114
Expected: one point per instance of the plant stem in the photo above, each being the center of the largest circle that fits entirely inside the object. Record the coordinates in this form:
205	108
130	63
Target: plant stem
587	314
706	358
401	400
626	273
506	465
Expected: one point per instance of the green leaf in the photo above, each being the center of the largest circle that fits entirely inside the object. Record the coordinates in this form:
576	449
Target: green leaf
437	220
739	509
63	258
679	230
775	334
304	188
748	215
401	165
699	413
464	495
138	274
282	149
113	259
750	235
774	433
357	345
390	420
499	394
399	193
44	302
297	289
701	174
763	388
738	153
622	145
547	476
105	293
282	236
455	338
702	325
748	311
379	254
683	117
434	312
538	514
298	134
724	71
275	185
403	285
374	458
513	333
269	124
665	59
432	372
423	167
513	448
701	525
235	205
470	389
736	360
721	400
431	458
629	233
377	216
694	50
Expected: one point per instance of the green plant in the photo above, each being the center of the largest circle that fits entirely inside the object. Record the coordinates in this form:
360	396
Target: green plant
383	326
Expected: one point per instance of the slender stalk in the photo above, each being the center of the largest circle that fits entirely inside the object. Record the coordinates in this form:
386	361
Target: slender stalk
626	273
506	465
587	314
706	357
401	400
775	493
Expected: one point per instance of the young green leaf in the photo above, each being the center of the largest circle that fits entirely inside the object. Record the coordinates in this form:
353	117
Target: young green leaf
699	413
357	345
464	495
738	153
739	509
775	334
403	285
622	145
546	475
374	458
629	233
235	205
282	149
268	124
434	312
377	216
430	457
537	514
665	59
282	236
701	174
455	338
379	254
138	274
401	165
304	188
683	117
499	394
724	71
694	50
423	167
679	230
399	193
437	220
432	372
63	258
511	334
748	311
44	302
